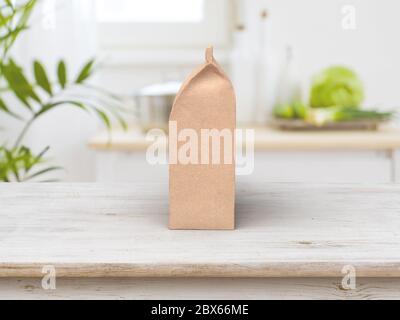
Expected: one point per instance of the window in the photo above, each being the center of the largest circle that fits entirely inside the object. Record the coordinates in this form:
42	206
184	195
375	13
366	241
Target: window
172	11
163	23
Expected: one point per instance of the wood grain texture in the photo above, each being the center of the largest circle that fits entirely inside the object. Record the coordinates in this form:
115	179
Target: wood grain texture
395	166
120	230
198	289
386	138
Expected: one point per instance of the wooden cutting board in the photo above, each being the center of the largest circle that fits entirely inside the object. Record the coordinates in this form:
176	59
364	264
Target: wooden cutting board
286	124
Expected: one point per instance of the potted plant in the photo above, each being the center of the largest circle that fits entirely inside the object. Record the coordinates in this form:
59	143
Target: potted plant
39	96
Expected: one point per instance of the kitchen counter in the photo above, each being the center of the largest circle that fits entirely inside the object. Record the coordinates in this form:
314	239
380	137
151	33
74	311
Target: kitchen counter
111	241
386	138
307	156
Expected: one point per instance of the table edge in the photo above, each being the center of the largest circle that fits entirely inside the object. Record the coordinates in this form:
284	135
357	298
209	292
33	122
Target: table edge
282	269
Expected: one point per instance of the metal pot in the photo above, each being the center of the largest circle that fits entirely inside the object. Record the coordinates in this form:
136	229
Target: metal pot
154	103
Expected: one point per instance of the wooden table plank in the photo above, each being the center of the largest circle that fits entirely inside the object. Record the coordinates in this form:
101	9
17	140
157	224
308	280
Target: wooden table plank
120	230
201	289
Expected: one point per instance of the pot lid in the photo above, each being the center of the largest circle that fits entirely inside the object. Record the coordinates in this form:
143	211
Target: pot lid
170	88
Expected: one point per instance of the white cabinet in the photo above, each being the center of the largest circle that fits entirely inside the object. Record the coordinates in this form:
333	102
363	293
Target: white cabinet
276	166
280	156
128	166
322	166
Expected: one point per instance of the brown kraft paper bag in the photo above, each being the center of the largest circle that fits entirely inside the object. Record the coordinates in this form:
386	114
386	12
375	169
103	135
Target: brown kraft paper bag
202	180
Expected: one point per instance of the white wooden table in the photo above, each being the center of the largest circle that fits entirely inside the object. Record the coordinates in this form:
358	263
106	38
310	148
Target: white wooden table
112	241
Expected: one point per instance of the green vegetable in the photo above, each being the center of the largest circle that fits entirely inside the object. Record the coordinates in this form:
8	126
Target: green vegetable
320	116
336	86
284	111
297	110
300	110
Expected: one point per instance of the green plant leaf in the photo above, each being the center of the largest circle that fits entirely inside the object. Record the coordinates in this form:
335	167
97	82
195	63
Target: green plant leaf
103	117
42	172
85	72
62	74
4	108
4	20
12	163
53	105
22	80
41	77
119	118
86	106
30	161
18	83
18	23
109	109
3	166
17	90
122	122
18	162
12	34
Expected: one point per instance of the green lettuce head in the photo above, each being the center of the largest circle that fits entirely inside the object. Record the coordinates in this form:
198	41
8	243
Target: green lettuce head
336	86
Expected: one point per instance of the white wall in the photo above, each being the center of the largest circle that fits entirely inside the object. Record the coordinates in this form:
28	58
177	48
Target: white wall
312	27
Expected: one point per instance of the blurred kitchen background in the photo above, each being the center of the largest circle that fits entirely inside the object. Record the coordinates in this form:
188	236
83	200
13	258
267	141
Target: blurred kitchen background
270	48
